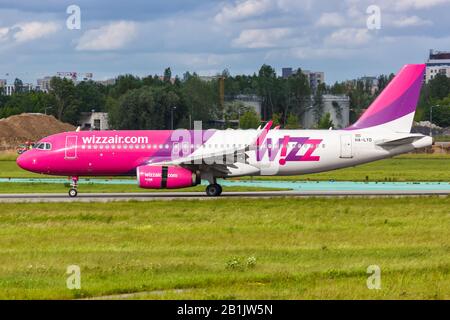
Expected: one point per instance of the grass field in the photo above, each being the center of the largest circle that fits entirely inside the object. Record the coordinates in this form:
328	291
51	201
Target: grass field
410	167
231	249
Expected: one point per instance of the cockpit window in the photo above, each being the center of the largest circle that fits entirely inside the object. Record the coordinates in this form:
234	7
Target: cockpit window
43	146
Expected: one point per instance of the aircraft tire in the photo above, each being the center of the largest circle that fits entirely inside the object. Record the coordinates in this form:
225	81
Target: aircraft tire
213	190
73	193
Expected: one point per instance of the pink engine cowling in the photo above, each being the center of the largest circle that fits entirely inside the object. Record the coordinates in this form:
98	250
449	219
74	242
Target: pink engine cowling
165	177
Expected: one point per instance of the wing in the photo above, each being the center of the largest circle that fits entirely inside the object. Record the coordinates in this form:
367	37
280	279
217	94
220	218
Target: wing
219	156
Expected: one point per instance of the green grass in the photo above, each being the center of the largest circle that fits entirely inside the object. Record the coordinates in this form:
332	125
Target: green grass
442	138
256	248
12	187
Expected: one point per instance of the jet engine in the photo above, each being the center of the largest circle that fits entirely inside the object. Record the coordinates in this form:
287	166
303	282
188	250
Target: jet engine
166	177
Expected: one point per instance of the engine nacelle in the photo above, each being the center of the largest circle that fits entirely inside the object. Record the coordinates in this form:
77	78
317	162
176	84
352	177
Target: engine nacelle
166	177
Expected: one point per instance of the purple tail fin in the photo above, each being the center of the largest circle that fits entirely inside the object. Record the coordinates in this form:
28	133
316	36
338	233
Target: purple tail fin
394	108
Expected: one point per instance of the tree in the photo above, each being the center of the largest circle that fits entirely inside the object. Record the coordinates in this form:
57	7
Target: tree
441	112
383	81
249	120
338	88
90	96
167	75
432	92
325	122
167	102
276	119
297	94
125	83
66	104
200	100
292	122
337	109
439	87
18	85
266	90
135	110
234	110
318	103
112	106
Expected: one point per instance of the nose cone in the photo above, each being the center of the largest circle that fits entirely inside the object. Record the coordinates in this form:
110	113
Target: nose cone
25	161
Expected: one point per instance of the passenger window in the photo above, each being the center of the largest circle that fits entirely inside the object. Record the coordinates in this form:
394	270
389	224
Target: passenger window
185	147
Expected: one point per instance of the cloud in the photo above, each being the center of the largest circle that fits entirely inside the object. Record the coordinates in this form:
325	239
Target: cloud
413	21
242	10
402	5
261	38
4	32
330	19
34	30
113	36
348	37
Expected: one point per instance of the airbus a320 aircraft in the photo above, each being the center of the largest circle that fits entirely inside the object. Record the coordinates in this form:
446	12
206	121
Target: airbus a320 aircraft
181	158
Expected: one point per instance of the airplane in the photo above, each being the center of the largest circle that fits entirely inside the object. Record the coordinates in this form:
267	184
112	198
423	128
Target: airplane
171	159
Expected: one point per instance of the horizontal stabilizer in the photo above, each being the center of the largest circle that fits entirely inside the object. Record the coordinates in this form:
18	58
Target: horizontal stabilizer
399	141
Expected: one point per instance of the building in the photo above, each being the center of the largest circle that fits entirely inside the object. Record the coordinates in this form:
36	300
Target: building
93	121
75	76
338	106
172	80
9	89
107	82
44	84
372	82
315	78
286	72
438	63
207	78
27	87
249	100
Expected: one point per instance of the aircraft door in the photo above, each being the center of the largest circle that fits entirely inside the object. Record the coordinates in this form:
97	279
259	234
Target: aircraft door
71	147
346	146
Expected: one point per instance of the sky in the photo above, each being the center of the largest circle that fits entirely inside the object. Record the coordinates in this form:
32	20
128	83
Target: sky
144	37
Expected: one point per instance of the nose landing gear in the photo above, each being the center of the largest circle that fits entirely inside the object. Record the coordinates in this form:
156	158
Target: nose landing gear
74	185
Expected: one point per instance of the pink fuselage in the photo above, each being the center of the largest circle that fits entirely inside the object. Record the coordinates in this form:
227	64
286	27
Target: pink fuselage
99	153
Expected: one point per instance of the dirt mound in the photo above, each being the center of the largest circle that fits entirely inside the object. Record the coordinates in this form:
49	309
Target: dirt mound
17	129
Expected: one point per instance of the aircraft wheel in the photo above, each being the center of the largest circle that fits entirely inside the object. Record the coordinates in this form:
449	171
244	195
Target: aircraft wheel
213	190
73	193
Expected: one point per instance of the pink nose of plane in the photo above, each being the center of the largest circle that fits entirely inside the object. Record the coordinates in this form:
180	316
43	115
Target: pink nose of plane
26	161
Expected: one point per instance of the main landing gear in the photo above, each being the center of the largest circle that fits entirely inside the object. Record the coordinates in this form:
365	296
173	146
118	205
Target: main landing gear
214	190
73	190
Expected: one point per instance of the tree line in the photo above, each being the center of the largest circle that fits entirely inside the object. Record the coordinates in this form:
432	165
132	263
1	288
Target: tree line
155	102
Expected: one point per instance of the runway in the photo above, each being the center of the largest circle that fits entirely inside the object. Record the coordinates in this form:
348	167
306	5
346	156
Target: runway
152	196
